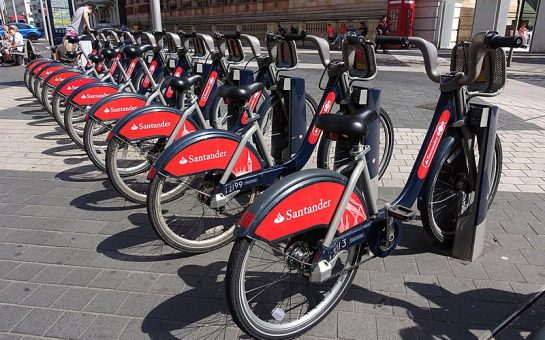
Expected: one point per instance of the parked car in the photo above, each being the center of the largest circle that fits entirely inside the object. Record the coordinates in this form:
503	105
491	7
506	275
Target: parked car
27	30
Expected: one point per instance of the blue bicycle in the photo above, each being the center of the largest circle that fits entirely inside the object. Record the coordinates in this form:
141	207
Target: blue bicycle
300	243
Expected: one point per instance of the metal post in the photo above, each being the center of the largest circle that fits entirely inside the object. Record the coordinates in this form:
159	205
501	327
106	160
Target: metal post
2	8
156	15
44	23
14	11
515	32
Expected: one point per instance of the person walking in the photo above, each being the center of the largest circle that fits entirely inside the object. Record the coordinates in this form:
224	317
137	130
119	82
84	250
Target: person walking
383	28
281	30
363	30
80	23
330	33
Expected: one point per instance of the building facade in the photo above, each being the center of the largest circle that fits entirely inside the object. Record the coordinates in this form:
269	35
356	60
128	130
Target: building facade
443	22
108	12
22	7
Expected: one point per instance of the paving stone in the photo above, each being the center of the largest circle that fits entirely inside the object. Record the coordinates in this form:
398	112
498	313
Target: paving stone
532	274
537	241
59	255
75	298
33	254
24	272
80	277
499	291
535	256
353	326
51	274
110	279
105	327
404	328
17	291
11	315
106	302
71	325
138	304
139	282
488	313
431	264
448	308
513	241
503	271
504	255
469	270
387	282
44	296
400	265
525	290
7	266
413	306
425	285
370	302
327	327
37	322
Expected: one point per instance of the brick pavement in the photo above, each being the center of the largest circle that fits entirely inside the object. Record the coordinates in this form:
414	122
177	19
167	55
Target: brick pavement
78	261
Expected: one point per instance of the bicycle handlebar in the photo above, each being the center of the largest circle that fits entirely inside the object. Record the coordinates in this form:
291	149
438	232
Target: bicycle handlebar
218	35
479	44
185	35
498	41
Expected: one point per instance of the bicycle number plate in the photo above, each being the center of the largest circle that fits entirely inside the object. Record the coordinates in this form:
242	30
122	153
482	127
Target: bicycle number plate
149	58
363	97
199	68
172	63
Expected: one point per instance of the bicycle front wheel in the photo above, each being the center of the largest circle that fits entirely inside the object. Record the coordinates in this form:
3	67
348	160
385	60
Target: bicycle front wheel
333	154
74	123
446	193
95	141
58	107
188	223
268	289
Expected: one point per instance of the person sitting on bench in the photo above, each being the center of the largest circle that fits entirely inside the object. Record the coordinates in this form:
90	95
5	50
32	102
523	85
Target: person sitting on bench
16	44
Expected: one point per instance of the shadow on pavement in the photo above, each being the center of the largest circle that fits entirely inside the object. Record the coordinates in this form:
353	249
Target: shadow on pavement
199	312
139	244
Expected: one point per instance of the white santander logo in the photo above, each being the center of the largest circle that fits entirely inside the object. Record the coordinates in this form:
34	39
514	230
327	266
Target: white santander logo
200	158
134	127
107	110
294	214
279	218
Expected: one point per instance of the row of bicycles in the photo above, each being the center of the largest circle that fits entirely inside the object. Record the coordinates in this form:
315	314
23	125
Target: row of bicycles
215	146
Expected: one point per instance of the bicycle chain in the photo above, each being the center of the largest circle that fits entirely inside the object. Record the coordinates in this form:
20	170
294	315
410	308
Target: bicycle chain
346	270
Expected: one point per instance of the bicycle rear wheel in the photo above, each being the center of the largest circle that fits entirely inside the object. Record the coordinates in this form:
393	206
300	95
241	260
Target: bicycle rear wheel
446	195
58	107
268	289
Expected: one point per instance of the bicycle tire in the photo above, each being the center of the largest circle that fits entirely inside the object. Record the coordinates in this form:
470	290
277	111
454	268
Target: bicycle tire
241	311
47	96
387	131
119	176
93	150
443	231
58	108
180	236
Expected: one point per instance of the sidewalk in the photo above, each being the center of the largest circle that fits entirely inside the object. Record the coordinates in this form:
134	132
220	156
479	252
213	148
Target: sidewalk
78	261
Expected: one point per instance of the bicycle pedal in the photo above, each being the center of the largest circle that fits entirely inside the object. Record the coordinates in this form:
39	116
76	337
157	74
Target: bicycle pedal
401	213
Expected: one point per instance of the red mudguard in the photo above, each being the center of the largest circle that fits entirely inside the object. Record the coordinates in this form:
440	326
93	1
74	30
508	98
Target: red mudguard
207	150
70	86
62	76
45	72
152	122
300	202
116	106
90	94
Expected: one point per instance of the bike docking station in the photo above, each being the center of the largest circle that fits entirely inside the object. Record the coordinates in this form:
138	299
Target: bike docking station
289	119
469	238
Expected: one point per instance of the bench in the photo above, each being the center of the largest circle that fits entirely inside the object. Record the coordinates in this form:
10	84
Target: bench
28	53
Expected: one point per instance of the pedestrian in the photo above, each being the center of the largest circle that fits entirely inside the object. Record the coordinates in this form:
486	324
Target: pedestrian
16	43
330	33
281	30
341	35
383	28
363	29
80	23
351	28
523	33
124	28
294	30
139	26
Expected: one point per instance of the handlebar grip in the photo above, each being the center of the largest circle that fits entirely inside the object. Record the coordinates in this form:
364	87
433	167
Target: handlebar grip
187	35
355	40
388	40
294	37
231	36
499	41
